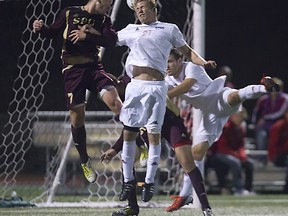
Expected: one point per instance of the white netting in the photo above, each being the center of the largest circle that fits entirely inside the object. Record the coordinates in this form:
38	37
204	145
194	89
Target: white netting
28	97
48	132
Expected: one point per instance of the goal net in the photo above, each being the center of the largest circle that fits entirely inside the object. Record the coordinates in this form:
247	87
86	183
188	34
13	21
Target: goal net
38	159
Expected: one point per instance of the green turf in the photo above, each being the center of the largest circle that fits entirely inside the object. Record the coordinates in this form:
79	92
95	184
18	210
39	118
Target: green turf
222	205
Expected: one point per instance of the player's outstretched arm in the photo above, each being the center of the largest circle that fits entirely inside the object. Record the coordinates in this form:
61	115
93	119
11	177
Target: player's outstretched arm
194	57
108	155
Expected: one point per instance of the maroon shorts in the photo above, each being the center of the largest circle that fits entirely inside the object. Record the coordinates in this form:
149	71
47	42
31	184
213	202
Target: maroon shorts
79	78
174	130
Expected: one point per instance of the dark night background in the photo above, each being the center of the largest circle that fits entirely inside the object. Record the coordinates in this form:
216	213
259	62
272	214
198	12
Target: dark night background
250	36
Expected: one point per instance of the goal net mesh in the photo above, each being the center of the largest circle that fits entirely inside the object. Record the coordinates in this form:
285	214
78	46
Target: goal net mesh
37	156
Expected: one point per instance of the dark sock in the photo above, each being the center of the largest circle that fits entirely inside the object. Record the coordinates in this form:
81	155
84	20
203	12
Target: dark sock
79	137
132	200
199	187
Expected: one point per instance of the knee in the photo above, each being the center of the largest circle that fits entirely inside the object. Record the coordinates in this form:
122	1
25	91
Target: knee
233	98
198	155
117	105
199	151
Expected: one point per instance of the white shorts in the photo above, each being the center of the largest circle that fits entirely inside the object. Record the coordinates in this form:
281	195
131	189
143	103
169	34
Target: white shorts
215	114
144	105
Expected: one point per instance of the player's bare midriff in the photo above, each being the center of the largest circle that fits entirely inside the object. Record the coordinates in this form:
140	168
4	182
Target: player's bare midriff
146	73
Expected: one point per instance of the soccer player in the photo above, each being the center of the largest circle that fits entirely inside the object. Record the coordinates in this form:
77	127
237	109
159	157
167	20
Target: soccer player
81	67
216	102
145	99
174	131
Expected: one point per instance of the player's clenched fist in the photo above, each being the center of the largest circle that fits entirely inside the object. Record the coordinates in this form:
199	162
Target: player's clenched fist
210	64
37	25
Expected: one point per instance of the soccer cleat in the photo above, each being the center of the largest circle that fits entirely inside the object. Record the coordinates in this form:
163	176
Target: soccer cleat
208	212
127	187
88	171
269	84
143	155
147	192
126	211
179	202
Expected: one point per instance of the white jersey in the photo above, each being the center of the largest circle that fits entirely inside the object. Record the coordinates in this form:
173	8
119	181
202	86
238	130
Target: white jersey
210	96
201	87
190	70
150	45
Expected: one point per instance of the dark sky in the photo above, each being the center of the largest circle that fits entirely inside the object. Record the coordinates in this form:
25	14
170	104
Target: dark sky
251	36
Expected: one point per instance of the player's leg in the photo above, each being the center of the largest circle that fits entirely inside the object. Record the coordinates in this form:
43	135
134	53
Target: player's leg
185	158
154	152
75	102
77	116
200	149
132	208
128	157
156	104
111	98
253	91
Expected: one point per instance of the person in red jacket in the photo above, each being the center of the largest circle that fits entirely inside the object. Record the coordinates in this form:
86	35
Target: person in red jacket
230	150
278	144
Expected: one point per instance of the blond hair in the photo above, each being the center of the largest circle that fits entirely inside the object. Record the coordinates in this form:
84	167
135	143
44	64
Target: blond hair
152	3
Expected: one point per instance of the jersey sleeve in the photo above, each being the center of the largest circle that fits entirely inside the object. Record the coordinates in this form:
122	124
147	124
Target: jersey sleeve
193	71
177	37
169	84
57	26
108	37
122	36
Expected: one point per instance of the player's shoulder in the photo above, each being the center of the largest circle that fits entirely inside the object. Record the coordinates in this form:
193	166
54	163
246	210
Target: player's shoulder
165	25
191	65
74	8
131	26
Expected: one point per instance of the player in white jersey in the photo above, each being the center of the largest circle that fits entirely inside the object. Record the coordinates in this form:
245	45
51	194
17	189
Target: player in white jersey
145	99
216	102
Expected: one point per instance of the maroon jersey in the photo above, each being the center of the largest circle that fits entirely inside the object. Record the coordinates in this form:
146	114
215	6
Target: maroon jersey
73	18
278	139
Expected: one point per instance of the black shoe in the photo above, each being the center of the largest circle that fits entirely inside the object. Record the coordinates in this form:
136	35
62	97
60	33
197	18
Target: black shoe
126	190
126	211
147	192
208	212
269	84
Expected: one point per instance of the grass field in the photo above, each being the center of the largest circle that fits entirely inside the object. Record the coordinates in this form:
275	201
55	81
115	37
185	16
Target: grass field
222	205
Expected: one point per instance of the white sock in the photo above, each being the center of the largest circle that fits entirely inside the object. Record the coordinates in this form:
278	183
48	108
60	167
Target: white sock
251	92
186	189
152	163
128	157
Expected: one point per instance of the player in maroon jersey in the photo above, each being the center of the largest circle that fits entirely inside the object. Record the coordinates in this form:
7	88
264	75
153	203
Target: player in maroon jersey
81	68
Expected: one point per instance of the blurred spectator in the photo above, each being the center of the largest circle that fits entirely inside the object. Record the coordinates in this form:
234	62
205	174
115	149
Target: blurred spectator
278	144
269	108
226	70
230	150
